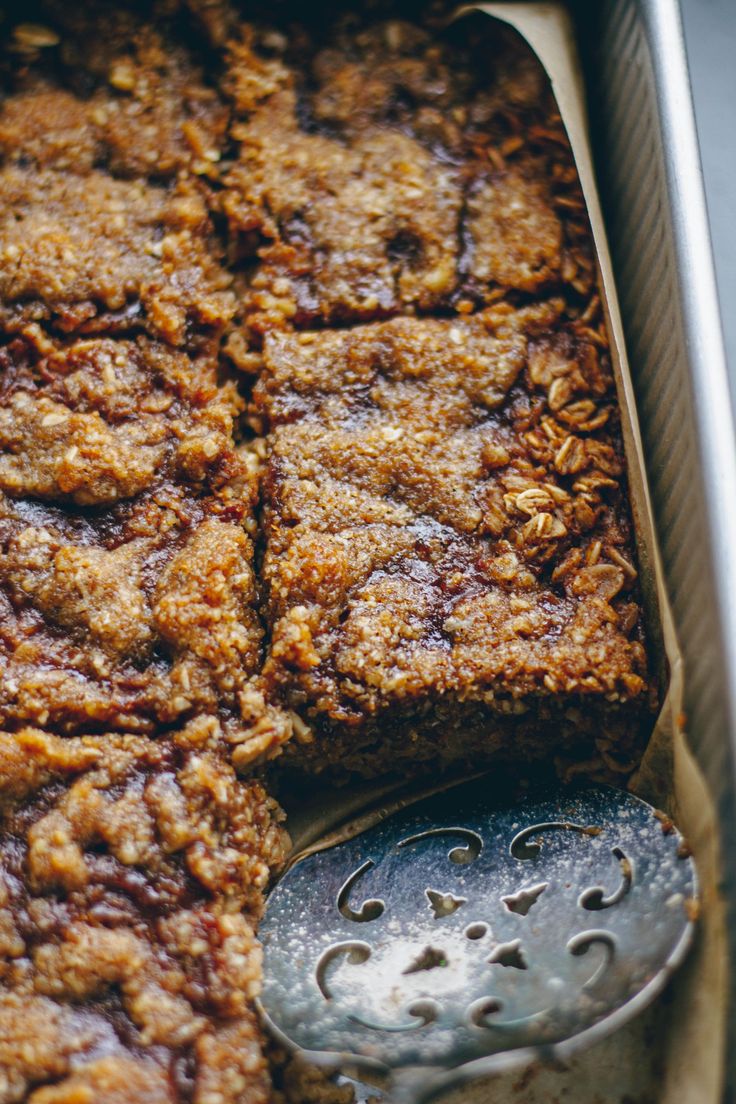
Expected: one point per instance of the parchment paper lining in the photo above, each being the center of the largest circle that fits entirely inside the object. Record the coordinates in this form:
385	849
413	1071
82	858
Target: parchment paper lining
689	1032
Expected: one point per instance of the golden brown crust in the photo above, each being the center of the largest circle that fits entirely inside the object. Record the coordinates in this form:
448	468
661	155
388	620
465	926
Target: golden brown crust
106	140
445	552
446	523
142	616
110	88
131	874
126	516
140	610
96	420
381	174
86	252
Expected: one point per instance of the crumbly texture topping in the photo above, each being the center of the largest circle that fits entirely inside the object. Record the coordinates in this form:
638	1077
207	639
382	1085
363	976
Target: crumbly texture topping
140	618
104	86
133	860
408	541
87	252
444	515
131	876
126	572
93	421
382	173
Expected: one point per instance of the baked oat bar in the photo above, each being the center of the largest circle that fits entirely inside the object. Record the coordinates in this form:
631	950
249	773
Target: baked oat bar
141	616
90	253
79	246
449	558
131	875
109	134
92	421
384	171
126	536
100	85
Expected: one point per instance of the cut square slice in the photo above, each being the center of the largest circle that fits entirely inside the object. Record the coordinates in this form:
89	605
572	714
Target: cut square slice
132	873
385	172
449	556
123	92
92	421
138	617
90	254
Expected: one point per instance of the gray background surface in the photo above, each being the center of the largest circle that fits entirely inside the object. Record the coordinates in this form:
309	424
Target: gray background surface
710	32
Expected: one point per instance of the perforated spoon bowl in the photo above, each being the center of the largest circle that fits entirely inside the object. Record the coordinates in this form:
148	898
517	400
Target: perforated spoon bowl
461	937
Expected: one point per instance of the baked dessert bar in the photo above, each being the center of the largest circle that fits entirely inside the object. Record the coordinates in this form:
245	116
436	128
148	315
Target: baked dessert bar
94	421
109	133
131	875
126	516
449	558
382	173
90	253
111	86
407	541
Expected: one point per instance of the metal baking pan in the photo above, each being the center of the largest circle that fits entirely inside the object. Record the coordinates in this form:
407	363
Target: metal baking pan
683	1051
652	191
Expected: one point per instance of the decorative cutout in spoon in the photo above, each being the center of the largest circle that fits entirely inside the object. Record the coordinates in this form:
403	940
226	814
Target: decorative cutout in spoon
456	939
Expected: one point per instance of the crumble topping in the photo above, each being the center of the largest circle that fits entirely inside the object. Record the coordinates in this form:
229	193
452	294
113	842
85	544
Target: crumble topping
132	96
131	875
404	542
90	253
383	173
97	420
445	520
143	616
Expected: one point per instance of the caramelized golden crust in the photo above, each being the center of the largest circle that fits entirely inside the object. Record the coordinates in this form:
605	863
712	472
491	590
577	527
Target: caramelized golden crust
96	420
131	874
446	525
109	88
138	616
381	173
88	253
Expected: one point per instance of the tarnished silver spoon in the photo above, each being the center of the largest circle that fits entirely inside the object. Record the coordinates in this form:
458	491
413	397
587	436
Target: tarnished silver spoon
463	936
